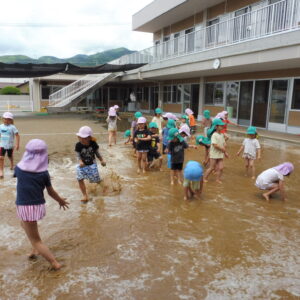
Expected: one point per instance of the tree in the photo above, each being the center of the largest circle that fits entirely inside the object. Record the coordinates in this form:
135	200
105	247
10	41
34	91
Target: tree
10	90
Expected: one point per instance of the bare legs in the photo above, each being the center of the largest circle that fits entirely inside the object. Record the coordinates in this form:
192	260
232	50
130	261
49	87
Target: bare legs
176	174
31	230
112	138
83	191
249	164
1	166
217	165
275	188
142	161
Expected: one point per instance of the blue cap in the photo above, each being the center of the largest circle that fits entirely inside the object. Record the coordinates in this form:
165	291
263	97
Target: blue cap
193	171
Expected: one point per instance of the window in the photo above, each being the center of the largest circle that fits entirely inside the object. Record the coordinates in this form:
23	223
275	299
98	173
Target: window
174	94
214	93
232	96
139	94
296	95
167	93
113	93
176	42
209	93
219	94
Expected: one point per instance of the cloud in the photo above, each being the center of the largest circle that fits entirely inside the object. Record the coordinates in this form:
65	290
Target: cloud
63	28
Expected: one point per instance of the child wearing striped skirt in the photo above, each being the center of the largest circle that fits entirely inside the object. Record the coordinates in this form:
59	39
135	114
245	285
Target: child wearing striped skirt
32	179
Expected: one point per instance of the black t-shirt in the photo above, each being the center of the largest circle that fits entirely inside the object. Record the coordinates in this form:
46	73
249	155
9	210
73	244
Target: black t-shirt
87	152
153	143
142	145
176	149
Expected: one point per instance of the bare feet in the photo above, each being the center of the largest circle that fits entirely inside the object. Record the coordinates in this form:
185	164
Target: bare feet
253	177
33	255
138	171
85	199
160	169
266	196
144	171
56	266
185	198
205	180
172	182
219	181
179	181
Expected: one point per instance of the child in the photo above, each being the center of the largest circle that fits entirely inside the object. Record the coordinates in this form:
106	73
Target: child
193	180
133	129
205	142
192	121
217	151
127	134
272	180
224	117
32	179
86	150
251	147
7	134
154	148
117	109
165	133
184	120
185	131
142	138
112	126
158	119
176	148
206	121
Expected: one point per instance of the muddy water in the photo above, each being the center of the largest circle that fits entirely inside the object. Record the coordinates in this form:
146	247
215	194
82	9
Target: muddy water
141	241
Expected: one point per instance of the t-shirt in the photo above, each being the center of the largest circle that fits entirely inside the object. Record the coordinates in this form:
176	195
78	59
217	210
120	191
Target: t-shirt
226	122
251	146
176	149
192	121
7	135
165	134
158	121
30	187
142	145
87	152
153	143
268	177
112	124
218	139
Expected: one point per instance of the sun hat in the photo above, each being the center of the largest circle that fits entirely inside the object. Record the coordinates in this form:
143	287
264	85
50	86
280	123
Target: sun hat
116	106
217	122
171	123
112	112
206	114
35	157
141	120
8	115
170	116
188	111
186	129
153	125
174	133
221	115
158	111
251	130
285	168
184	117
127	133
193	171
84	132
200	139
138	114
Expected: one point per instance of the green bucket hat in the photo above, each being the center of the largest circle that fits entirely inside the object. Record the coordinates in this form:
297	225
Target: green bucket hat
217	122
138	114
200	139
158	111
251	130
206	114
153	125
171	124
185	117
127	133
174	133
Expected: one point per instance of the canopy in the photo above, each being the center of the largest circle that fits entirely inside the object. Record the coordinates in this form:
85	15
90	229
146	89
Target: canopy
38	70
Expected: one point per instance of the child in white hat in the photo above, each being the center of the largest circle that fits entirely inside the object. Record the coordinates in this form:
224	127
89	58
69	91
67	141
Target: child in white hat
112	126
8	132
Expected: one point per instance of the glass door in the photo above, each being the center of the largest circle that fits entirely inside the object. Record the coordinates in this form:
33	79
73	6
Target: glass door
260	104
195	99
245	104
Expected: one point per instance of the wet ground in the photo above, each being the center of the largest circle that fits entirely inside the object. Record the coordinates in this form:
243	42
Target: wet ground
140	240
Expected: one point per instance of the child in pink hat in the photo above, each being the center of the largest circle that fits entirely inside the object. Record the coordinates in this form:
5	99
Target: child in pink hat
112	126
8	132
32	178
87	150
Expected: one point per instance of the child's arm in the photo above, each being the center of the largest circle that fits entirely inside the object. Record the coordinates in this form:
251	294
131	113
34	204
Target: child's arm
221	149
258	153
61	201
281	189
201	186
97	153
241	149
17	141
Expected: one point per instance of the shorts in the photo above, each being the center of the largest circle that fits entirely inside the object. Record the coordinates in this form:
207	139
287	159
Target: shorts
88	172
249	156
263	186
153	155
142	151
177	167
193	129
3	151
31	213
194	185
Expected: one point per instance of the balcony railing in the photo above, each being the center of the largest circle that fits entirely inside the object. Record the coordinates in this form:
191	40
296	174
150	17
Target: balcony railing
279	17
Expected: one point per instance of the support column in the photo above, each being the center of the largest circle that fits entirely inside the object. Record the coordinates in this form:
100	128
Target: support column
35	94
201	98
160	94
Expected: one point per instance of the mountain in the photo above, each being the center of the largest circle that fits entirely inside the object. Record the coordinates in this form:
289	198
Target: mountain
79	60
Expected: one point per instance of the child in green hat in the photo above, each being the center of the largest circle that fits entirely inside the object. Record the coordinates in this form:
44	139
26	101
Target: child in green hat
176	148
165	133
252	149
205	142
127	134
154	147
206	121
158	119
133	129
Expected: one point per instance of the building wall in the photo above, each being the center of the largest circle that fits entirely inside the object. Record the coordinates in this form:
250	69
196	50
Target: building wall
294	118
176	108
213	109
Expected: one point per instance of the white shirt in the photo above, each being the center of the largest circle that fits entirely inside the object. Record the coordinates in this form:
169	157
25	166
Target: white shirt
267	178
251	146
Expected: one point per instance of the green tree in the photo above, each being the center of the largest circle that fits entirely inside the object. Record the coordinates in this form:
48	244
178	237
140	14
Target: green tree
10	90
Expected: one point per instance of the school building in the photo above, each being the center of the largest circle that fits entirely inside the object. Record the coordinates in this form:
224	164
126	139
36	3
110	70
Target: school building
242	56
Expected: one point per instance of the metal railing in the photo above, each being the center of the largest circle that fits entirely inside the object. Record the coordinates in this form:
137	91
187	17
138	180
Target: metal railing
67	94
275	18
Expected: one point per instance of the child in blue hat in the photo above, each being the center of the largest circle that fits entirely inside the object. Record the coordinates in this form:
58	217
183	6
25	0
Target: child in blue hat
176	148
251	148
193	180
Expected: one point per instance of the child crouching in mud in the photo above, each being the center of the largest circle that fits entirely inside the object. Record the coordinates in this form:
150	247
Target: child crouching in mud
87	150
32	178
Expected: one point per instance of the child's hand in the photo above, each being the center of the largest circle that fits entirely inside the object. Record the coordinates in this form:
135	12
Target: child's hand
63	203
81	164
226	154
238	154
17	148
103	163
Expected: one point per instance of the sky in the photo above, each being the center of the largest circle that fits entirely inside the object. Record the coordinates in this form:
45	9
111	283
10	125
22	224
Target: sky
64	28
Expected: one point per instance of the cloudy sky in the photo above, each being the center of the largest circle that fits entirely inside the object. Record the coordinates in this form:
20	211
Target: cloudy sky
64	28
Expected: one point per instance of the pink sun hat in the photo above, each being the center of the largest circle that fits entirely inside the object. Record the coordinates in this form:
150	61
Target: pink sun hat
285	168
169	116
112	112
8	115
188	111
116	107
141	120
35	157
84	132
186	129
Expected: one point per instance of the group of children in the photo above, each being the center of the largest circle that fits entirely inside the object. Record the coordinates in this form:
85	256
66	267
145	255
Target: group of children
150	143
